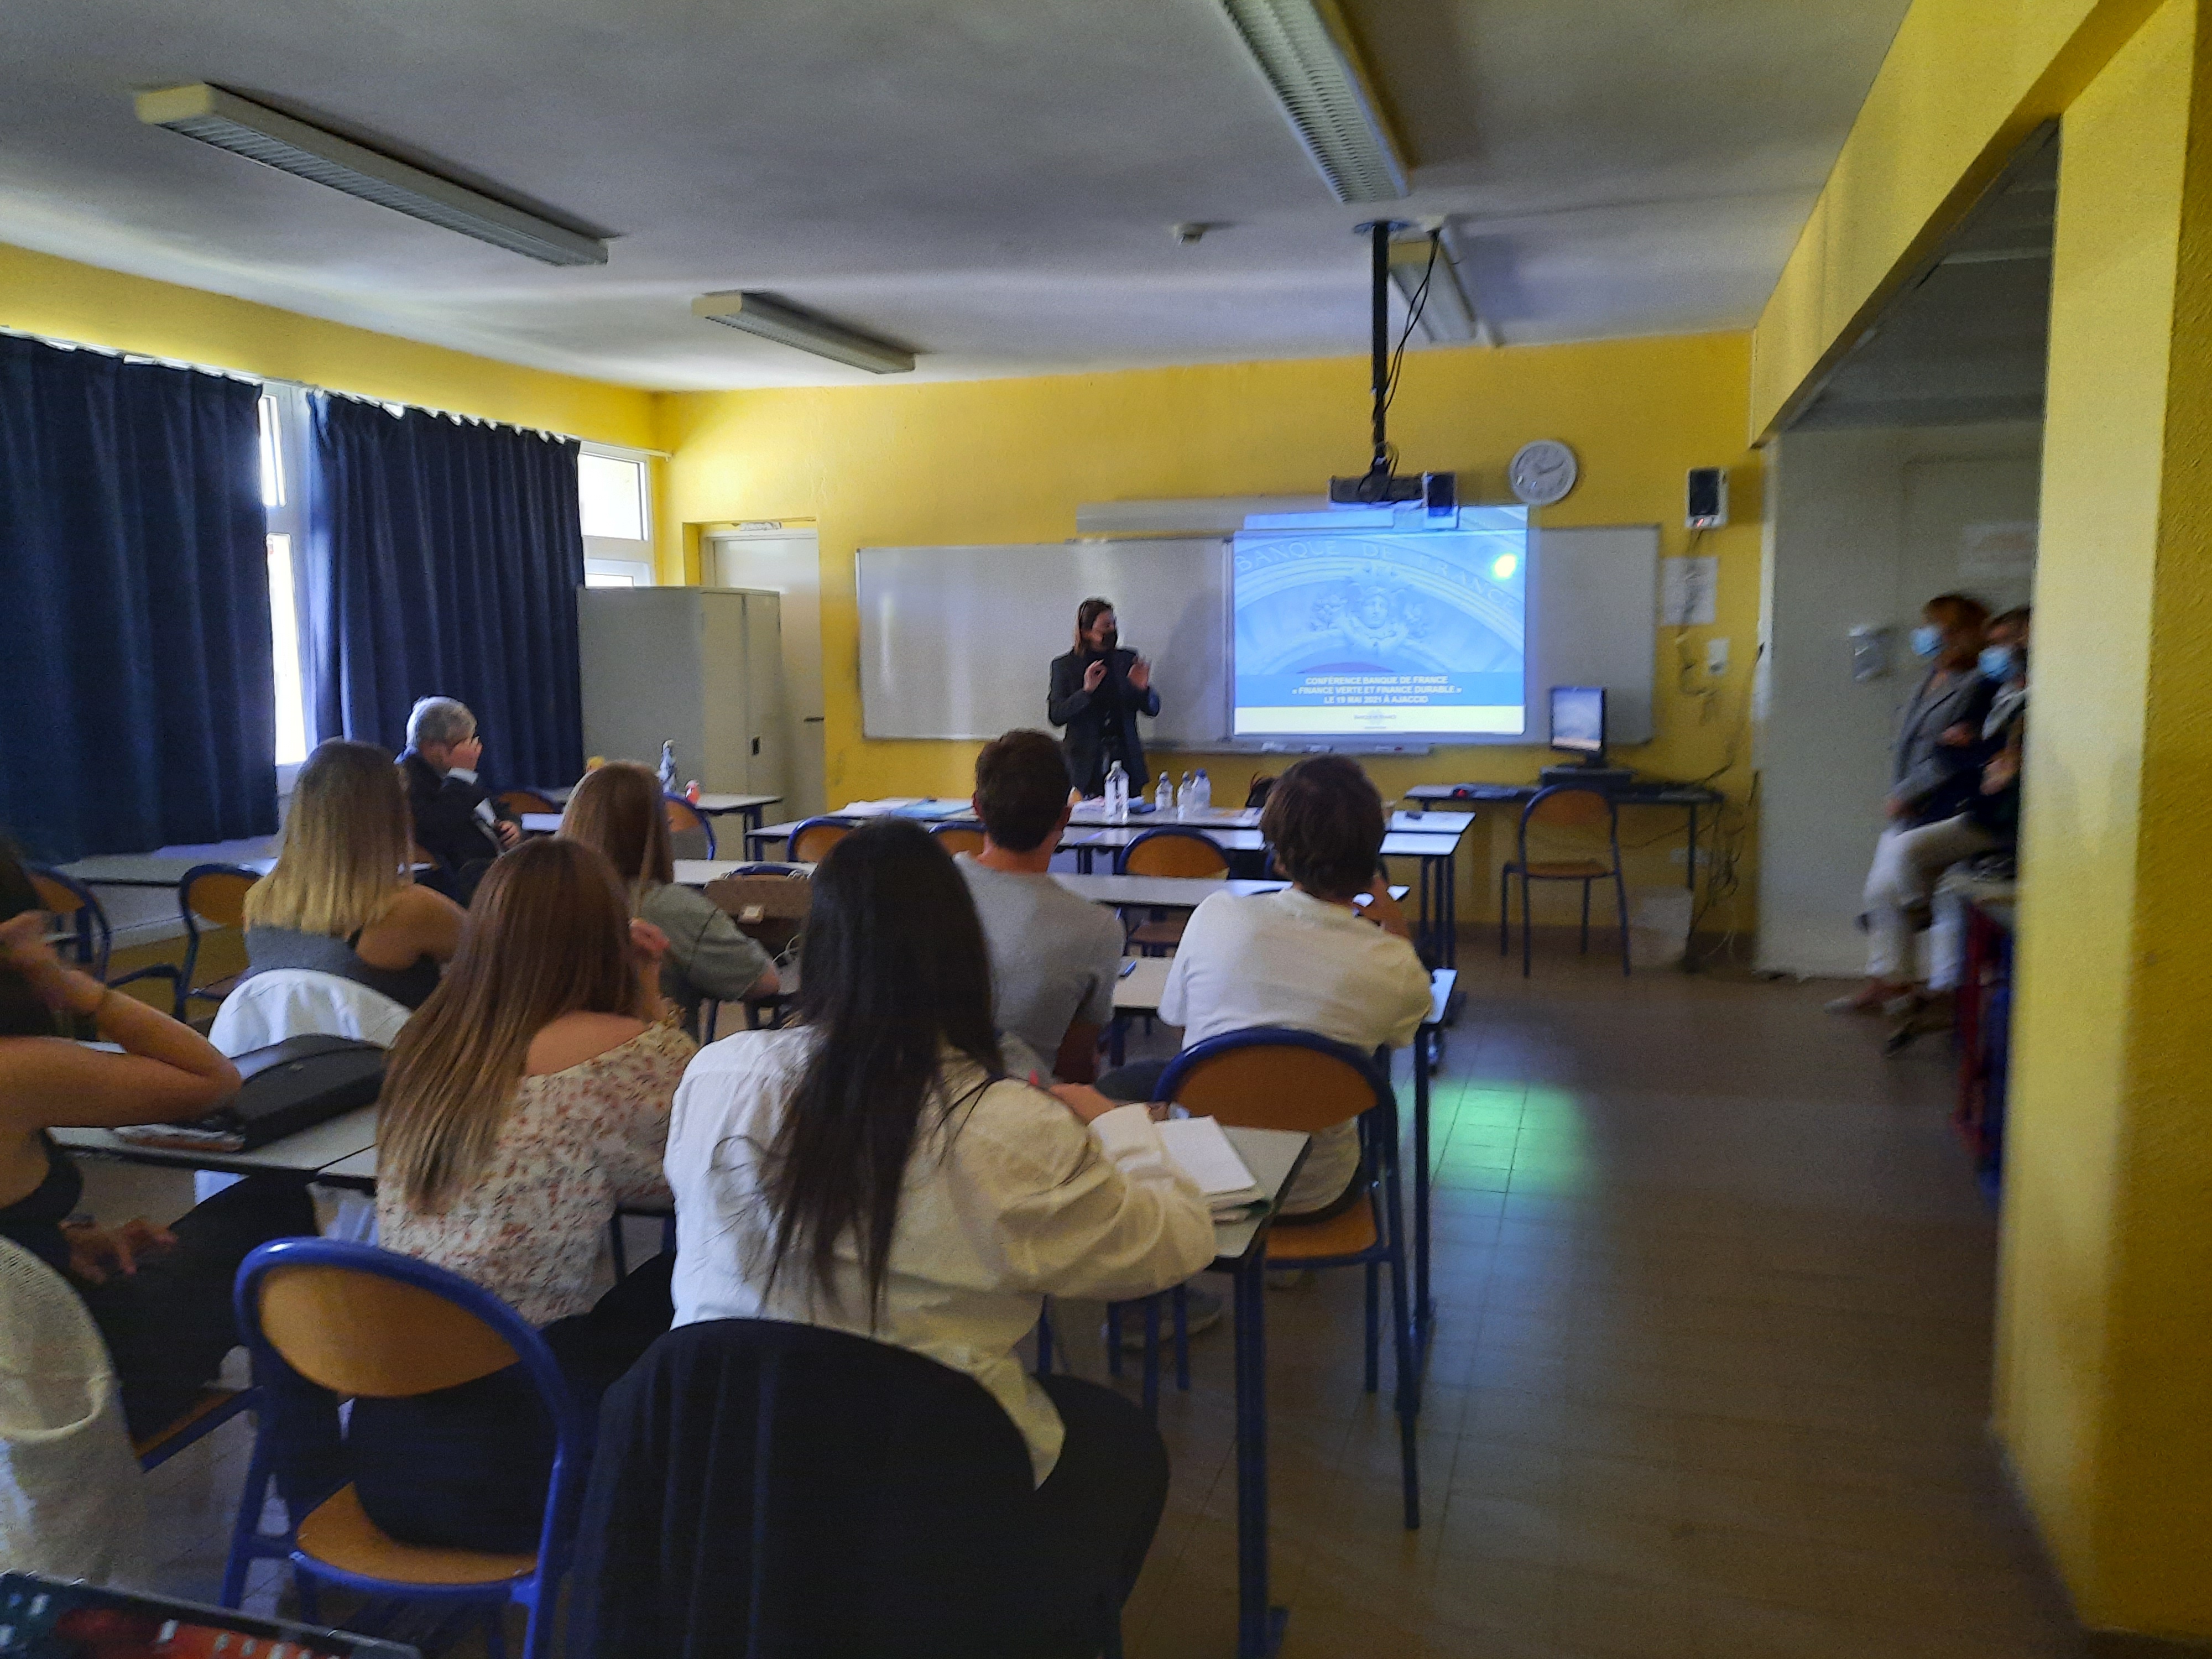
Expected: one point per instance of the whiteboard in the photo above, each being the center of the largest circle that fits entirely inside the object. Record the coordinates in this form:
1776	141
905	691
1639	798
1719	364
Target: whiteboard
958	642
1596	609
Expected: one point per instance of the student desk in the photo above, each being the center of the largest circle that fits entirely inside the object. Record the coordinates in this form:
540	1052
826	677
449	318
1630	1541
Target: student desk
156	869
1436	845
713	804
309	1154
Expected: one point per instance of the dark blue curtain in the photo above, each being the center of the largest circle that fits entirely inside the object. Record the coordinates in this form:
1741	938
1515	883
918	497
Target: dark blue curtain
137	703
443	558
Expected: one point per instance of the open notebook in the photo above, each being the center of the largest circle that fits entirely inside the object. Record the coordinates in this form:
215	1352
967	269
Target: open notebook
1204	1152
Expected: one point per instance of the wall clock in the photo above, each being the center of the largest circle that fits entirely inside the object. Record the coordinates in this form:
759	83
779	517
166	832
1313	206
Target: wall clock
1542	473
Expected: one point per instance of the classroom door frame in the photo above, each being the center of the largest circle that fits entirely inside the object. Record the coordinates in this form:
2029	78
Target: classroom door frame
785	558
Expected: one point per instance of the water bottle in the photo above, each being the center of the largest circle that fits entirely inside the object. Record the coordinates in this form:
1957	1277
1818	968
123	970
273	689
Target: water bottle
1205	787
1117	795
1187	798
1164	797
668	767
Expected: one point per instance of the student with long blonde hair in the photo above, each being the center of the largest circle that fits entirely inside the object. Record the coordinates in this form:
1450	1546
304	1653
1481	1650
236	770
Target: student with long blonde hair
342	899
525	1101
618	809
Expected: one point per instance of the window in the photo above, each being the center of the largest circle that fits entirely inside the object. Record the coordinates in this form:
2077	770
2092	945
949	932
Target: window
283	455
613	487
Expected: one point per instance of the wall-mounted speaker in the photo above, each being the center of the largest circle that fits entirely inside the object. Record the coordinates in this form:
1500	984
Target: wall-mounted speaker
1707	501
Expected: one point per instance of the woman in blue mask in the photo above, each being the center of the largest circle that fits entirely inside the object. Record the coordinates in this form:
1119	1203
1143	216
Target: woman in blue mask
1935	776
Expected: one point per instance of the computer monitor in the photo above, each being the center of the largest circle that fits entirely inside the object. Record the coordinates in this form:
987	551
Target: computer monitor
1578	721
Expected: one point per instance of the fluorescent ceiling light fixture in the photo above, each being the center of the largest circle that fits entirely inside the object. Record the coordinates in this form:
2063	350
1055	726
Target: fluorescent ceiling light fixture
788	325
261	134
1305	49
1448	316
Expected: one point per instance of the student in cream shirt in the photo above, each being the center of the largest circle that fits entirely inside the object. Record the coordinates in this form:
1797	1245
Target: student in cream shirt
1308	956
781	1145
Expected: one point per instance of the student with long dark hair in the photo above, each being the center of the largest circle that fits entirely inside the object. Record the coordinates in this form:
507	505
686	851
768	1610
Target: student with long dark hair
873	1171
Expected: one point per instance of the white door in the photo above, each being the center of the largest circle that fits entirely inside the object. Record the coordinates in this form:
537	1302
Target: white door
787	562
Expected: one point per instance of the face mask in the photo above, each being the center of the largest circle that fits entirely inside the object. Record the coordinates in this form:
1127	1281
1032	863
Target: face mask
1927	640
1996	663
1109	638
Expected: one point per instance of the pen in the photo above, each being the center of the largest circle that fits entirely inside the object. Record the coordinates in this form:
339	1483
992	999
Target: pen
1127	968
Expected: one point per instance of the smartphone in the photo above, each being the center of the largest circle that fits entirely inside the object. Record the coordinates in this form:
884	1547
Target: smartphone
53	1618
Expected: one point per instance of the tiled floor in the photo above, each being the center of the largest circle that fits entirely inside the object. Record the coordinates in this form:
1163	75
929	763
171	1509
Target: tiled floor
1710	1374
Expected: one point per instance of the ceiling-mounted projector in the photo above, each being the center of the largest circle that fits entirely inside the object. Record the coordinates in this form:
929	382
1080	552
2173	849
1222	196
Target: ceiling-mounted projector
1380	485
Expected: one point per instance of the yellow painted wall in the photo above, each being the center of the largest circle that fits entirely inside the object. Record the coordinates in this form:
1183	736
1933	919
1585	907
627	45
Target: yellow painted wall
63	300
1965	82
1010	460
2105	1355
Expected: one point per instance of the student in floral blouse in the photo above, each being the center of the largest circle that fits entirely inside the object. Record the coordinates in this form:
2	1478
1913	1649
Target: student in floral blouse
527	1099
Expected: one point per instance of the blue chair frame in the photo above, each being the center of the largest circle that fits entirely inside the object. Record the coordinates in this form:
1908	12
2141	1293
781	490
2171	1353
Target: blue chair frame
185	992
537	1590
706	823
95	934
1381	1162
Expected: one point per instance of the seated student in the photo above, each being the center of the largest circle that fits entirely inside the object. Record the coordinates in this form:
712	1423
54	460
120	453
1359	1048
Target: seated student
1307	956
526	1100
1994	809
160	1295
1935	769
341	899
618	810
873	1171
456	821
1054	956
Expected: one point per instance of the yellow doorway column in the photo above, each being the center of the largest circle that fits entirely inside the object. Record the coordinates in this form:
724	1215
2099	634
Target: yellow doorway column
2105	1332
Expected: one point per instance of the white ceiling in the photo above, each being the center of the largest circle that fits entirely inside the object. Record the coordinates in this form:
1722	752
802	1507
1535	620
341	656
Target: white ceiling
990	181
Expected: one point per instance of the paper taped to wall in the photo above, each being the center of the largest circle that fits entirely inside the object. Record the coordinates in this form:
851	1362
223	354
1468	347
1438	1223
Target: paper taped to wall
1689	590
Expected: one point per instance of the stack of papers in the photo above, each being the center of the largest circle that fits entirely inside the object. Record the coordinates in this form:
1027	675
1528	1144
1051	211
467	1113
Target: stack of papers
1199	1145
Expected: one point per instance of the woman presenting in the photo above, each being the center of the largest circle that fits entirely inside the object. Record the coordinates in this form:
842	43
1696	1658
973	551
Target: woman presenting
1098	689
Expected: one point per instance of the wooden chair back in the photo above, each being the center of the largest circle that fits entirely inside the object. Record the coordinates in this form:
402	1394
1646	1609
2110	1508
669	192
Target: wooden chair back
959	837
812	841
1174	851
356	1333
1274	1079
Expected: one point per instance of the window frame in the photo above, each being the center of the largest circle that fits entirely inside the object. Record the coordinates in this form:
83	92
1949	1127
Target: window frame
287	400
617	555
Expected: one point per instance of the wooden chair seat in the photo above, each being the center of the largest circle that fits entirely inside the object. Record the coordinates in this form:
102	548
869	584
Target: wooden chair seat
1348	1233
339	1533
1570	870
